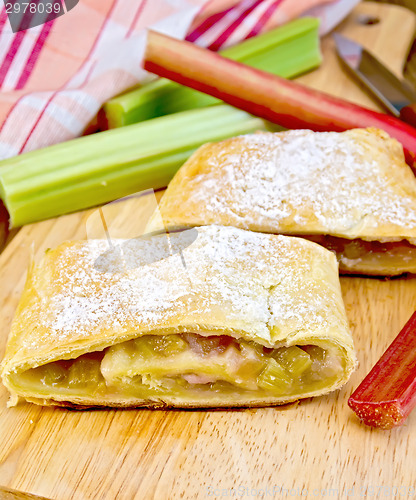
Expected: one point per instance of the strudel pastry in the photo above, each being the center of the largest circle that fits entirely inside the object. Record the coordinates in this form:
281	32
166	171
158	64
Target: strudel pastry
351	192
238	319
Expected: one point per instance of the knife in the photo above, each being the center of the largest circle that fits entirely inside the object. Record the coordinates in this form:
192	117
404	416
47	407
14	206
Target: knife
396	95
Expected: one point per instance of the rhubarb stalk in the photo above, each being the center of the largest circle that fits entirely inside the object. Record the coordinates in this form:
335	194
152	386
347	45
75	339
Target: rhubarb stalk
280	101
387	395
286	51
4	225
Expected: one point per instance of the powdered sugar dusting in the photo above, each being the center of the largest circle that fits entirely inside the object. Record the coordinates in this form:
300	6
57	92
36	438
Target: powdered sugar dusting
298	181
254	282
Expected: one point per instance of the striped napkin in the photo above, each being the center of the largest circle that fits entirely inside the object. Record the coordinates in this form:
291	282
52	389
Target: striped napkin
55	77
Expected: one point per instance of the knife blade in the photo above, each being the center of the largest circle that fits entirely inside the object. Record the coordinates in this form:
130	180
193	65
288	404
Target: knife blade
396	95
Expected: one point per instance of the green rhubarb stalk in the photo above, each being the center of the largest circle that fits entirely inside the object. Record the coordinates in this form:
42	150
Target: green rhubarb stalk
95	169
286	51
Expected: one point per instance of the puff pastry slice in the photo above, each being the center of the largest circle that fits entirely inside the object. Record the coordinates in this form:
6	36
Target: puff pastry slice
351	192
238	319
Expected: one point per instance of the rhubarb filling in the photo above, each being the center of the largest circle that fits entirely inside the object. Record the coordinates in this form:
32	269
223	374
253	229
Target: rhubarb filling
370	257
188	364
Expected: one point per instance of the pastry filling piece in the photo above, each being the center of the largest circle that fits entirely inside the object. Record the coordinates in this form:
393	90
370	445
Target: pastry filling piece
370	256
188	363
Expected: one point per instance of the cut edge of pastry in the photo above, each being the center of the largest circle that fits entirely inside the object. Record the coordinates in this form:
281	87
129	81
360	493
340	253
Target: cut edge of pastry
321	367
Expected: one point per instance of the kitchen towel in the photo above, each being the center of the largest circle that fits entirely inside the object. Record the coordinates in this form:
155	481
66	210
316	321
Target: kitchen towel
55	77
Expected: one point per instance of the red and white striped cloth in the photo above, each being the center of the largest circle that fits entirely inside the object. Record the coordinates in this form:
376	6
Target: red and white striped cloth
55	77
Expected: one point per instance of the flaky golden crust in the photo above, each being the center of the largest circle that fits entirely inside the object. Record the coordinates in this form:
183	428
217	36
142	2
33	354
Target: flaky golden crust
273	290
351	185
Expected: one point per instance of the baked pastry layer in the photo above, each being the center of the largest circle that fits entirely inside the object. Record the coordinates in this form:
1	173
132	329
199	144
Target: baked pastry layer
353	185
236	319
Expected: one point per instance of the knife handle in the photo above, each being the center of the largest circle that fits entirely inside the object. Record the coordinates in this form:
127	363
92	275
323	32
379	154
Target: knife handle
408	114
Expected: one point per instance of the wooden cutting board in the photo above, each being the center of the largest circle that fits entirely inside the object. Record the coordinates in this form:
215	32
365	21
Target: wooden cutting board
312	449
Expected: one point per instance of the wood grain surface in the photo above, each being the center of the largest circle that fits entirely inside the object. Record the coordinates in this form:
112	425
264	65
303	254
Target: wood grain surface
313	449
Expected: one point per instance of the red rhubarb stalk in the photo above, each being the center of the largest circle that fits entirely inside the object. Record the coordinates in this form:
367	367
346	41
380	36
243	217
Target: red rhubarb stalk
4	225
273	98
387	395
